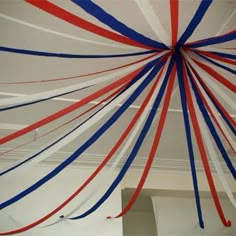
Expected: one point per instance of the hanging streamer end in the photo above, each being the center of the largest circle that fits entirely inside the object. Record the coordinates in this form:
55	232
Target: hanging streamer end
202	225
228	224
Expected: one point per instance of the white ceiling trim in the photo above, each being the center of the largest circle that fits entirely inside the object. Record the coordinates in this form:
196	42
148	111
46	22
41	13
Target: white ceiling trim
93	159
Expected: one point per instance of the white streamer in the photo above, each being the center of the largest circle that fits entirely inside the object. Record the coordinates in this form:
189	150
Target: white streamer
213	155
59	33
96	184
216	114
71	136
224	50
153	20
226	23
211	83
56	92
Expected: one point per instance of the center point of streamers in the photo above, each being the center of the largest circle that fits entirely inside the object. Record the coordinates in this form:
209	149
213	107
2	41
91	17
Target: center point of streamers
175	49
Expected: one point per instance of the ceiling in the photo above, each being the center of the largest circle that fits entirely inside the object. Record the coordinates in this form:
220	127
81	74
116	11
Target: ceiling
172	152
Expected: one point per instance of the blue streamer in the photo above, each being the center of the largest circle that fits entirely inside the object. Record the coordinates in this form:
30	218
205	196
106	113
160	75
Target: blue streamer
214	40
226	55
189	140
62	137
71	131
107	19
199	14
95	136
135	149
45	99
41	100
66	55
232	128
212	128
217	64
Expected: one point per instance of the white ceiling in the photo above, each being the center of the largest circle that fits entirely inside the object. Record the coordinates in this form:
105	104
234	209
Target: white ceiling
172	149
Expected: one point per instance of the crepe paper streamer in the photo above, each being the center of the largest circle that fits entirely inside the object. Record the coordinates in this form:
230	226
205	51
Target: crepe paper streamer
79	76
217	89
71	56
214	40
89	142
216	163
68	109
44	218
78	104
58	143
67	122
223	57
62	14
202	150
219	106
216	57
138	121
189	141
55	92
31	160
211	182
37	27
214	134
107	19
211	151
153	20
226	55
215	160
228	119
135	149
232	71
42	100
226	22
174	16
225	115
209	104
198	16
134	84
154	147
37	222
214	49
213	73
38	96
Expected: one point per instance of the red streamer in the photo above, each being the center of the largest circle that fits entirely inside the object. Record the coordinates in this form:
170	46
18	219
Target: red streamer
216	76
68	122
202	40
212	96
174	15
203	152
98	169
86	25
211	113
80	76
154	145
70	108
216	57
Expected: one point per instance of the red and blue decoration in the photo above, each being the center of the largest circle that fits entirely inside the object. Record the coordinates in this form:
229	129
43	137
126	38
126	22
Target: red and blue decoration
163	64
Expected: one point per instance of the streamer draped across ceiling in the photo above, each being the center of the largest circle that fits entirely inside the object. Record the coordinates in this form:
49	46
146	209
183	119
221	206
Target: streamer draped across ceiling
156	69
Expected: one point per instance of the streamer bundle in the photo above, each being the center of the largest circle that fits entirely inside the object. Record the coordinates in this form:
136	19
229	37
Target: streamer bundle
148	69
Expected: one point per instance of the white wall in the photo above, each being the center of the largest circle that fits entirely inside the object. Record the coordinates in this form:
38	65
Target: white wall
140	220
47	198
176	216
